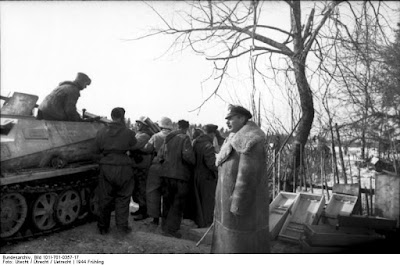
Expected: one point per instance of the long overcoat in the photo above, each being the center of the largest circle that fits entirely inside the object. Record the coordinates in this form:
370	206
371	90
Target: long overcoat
241	202
205	180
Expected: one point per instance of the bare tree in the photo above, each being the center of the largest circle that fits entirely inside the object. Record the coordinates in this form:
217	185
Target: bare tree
226	30
355	68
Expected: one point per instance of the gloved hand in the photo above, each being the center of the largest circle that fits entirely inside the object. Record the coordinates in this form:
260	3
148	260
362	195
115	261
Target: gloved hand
136	156
97	118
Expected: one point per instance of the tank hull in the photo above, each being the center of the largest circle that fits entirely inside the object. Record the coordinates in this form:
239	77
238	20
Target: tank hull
48	175
48	172
32	143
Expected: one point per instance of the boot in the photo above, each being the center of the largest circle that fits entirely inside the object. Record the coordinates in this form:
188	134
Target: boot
155	221
103	230
140	217
124	229
175	234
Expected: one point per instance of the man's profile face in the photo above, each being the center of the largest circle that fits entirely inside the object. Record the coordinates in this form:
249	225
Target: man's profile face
84	85
235	123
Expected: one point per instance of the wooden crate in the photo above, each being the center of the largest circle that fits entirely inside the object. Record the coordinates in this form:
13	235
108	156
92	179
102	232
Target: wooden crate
306	210
331	236
309	249
338	205
387	196
279	210
370	222
349	189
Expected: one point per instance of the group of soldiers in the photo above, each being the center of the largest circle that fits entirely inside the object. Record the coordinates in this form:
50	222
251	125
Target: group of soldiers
168	169
220	186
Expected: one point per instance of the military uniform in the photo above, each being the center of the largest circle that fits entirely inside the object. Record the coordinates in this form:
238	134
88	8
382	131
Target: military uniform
116	176
60	104
141	162
153	184
178	158
241	202
205	180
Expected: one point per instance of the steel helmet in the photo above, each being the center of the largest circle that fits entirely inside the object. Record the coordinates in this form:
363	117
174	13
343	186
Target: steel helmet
165	123
142	120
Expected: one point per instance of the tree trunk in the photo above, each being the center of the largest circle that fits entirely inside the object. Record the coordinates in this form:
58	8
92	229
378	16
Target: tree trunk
363	143
307	110
306	98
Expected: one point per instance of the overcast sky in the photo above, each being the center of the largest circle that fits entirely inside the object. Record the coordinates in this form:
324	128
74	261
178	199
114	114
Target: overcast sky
45	43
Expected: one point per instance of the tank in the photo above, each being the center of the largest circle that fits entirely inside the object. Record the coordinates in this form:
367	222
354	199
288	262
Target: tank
48	170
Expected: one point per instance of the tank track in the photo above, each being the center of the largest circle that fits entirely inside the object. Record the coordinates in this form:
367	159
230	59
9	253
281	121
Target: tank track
85	183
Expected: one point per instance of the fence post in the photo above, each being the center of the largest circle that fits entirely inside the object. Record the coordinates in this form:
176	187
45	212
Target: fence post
351	175
360	195
301	169
273	176
279	172
335	169
341	155
370	195
322	173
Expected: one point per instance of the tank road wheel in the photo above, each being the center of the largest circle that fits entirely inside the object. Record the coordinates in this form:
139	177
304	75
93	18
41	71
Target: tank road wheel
68	207
58	162
13	213
94	203
43	211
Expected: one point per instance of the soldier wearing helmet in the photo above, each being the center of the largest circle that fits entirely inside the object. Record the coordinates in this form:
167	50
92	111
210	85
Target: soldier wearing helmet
179	159
153	185
141	162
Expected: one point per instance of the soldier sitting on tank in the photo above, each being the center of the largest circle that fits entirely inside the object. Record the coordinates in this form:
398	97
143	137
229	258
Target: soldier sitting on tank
60	104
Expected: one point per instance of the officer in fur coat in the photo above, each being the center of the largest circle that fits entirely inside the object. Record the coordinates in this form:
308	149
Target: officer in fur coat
241	202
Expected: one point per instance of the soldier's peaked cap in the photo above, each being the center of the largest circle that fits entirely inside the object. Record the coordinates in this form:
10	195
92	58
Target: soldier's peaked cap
118	112
210	128
82	78
238	110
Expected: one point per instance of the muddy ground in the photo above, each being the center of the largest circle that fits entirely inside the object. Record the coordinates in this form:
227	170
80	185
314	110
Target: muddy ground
144	239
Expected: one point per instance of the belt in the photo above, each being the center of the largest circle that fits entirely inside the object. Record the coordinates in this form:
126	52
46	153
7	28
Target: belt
119	152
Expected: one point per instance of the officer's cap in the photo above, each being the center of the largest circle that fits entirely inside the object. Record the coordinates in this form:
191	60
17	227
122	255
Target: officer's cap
238	110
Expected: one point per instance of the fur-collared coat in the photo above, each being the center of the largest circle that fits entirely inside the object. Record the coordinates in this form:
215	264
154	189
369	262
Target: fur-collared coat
241	202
